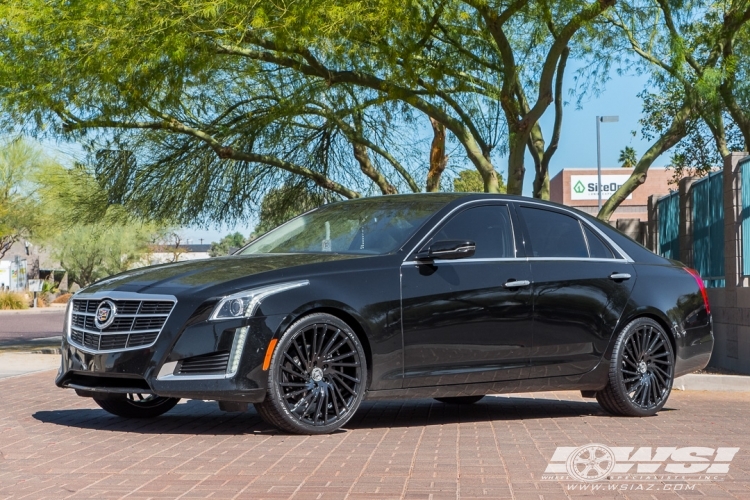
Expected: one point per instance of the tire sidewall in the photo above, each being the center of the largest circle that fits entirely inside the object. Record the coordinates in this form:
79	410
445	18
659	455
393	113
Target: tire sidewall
617	374
275	394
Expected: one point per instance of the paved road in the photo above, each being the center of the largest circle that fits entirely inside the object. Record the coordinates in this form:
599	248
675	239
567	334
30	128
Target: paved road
56	445
23	326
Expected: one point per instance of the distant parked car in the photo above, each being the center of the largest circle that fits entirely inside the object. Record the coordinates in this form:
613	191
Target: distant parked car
445	296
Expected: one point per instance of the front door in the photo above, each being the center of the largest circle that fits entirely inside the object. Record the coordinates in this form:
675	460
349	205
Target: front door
468	320
580	292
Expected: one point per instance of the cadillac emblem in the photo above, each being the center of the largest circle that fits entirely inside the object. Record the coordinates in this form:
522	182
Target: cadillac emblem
105	314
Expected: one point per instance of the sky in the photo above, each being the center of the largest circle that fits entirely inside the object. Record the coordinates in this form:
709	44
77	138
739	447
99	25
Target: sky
577	148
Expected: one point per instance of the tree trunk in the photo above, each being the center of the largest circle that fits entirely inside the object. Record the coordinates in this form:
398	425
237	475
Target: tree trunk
360	153
438	160
541	177
672	136
516	169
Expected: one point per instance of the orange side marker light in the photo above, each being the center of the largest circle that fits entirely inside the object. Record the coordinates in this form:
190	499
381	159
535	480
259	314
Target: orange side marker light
269	353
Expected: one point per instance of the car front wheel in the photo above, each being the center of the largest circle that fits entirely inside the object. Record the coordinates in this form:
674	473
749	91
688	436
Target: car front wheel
641	372
317	376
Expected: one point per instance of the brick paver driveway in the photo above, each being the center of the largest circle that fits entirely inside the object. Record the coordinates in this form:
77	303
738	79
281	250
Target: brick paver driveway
56	445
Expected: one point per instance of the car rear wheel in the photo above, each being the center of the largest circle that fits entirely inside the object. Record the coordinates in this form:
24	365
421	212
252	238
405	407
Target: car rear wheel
317	376
460	400
136	405
641	372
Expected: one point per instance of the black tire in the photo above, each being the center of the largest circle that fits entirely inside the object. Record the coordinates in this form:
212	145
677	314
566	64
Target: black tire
317	377
460	400
641	372
136	405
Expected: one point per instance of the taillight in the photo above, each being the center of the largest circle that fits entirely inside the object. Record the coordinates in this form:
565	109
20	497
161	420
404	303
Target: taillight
695	274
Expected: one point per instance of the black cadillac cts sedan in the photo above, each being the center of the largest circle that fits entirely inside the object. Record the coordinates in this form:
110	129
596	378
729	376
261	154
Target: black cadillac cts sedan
444	296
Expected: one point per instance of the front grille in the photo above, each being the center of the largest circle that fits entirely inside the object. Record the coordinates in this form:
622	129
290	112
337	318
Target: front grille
137	323
206	364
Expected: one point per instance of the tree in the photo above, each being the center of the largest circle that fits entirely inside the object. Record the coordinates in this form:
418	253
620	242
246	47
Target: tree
287	202
628	157
469	181
210	97
685	55
21	213
91	237
230	242
94	251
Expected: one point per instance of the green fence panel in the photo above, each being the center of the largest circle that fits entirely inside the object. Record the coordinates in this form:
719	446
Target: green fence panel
708	228
668	213
745	216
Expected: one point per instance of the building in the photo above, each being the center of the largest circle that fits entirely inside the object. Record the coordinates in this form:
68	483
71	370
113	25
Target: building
168	253
577	187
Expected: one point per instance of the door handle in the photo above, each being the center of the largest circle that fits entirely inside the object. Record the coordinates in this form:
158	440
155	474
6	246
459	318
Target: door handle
619	276
516	283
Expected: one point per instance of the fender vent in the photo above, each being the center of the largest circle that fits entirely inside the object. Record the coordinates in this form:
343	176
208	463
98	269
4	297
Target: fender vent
214	363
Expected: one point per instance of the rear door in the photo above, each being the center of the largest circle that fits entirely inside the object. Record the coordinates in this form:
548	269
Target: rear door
581	287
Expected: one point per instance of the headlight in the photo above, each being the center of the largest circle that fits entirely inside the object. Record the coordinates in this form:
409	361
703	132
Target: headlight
244	304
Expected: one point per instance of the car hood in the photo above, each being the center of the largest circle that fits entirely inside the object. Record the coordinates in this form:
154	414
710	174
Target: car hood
202	274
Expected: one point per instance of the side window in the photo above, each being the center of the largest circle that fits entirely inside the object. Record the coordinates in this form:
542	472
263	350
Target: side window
597	248
554	234
488	226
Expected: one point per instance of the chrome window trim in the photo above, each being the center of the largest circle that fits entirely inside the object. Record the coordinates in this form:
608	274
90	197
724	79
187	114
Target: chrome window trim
515	259
469	259
598	231
115	295
623	255
485	201
581	259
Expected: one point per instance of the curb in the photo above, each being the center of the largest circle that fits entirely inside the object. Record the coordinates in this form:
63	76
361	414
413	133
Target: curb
34	310
709	382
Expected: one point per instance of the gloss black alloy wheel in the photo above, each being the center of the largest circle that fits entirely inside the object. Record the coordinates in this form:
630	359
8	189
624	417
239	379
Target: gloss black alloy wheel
136	405
316	378
642	371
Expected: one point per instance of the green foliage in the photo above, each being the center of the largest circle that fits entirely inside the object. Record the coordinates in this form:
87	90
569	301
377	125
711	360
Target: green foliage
94	251
21	212
285	203
91	237
628	157
12	300
226	244
469	181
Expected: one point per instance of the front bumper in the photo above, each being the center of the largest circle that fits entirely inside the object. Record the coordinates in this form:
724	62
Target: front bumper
157	369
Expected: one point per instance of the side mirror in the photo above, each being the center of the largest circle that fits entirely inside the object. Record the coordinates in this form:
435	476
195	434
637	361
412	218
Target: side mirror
448	249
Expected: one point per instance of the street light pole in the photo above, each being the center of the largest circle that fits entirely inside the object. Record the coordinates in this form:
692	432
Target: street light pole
601	119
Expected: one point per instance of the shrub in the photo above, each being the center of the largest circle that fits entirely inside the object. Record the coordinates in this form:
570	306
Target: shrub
13	300
63	299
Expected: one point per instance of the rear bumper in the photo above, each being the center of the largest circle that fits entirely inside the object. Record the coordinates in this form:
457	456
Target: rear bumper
694	349
162	368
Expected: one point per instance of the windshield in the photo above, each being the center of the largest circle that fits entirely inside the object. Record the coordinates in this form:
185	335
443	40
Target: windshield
369	226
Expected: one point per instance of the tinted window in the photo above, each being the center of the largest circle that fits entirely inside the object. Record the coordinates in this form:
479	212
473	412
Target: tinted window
597	248
489	227
554	234
370	226
635	250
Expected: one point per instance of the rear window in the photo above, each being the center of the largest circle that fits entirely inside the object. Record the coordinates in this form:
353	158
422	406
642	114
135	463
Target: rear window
635	250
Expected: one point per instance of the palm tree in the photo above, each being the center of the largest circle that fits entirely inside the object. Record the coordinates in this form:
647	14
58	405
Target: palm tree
628	157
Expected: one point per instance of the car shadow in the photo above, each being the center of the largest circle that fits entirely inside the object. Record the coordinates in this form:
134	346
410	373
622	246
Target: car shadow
204	417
